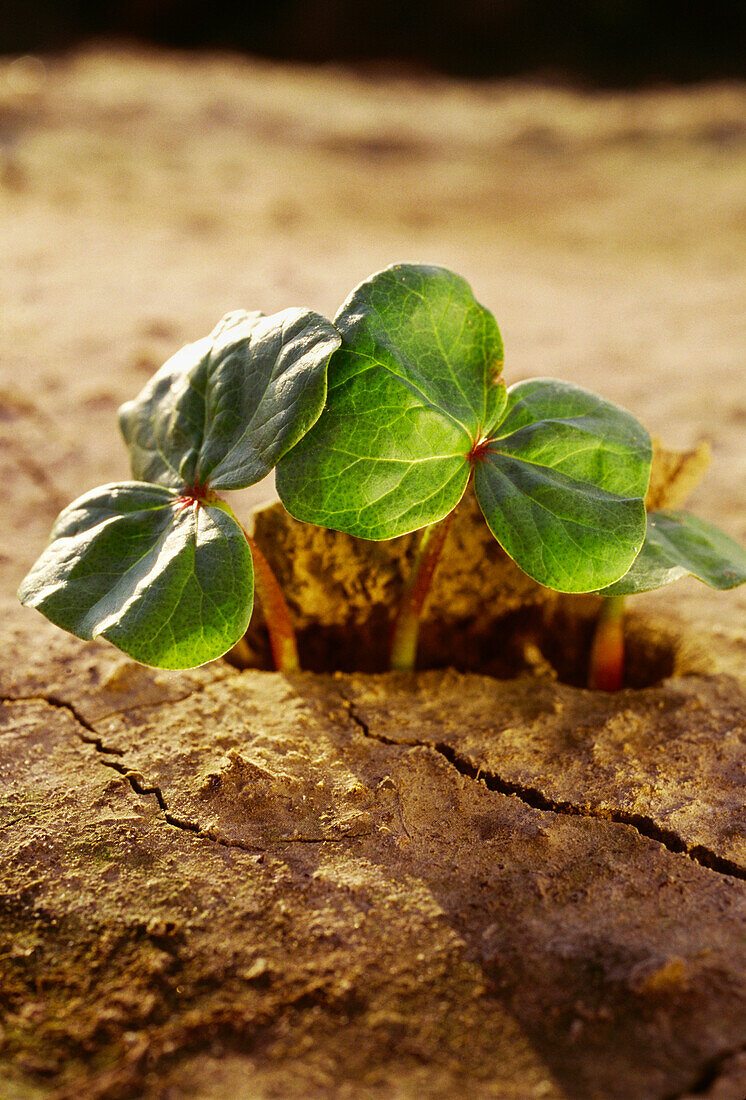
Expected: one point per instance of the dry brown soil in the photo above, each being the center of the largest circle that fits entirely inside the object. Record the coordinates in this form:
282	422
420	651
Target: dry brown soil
235	885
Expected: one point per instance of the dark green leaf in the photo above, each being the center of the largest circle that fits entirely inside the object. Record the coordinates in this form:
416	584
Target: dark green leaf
678	544
167	580
414	384
222	411
561	485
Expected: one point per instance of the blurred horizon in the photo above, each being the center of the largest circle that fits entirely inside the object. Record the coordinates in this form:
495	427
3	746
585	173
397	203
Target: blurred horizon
595	43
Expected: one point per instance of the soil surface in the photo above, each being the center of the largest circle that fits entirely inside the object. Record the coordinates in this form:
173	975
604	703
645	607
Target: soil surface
234	885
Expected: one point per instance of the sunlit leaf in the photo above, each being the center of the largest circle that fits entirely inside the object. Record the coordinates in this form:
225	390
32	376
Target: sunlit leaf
678	544
562	482
167	580
416	379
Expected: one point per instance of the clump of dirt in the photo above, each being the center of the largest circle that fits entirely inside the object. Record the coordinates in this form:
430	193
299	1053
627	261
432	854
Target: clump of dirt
342	592
675	474
332	579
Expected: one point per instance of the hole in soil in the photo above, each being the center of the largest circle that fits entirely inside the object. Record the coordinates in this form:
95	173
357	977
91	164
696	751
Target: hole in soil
553	639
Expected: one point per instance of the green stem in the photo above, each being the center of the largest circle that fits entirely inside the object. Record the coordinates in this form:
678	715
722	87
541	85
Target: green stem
407	624
606	669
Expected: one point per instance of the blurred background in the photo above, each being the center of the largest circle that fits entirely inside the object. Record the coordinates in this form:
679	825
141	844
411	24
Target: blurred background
582	164
603	42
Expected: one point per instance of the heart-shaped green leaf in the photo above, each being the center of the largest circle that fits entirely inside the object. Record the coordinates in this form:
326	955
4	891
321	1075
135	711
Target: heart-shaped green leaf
168	580
415	402
424	326
223	410
678	544
561	484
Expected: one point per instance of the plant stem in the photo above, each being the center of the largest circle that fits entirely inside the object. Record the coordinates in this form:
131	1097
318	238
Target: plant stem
606	668
407	624
276	613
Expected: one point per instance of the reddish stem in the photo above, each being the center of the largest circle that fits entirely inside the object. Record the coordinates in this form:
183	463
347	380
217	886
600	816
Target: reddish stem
277	616
606	668
407	624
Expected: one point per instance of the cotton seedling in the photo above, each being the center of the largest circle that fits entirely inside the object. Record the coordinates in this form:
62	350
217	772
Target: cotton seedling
375	424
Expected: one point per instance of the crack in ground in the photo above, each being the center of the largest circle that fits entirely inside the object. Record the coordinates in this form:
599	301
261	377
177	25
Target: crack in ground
137	781
709	1075
55	701
530	796
94	737
537	800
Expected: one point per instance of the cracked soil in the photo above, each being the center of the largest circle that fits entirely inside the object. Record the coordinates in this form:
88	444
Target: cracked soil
351	884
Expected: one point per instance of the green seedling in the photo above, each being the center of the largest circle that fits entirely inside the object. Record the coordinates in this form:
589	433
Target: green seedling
160	566
417	406
677	544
